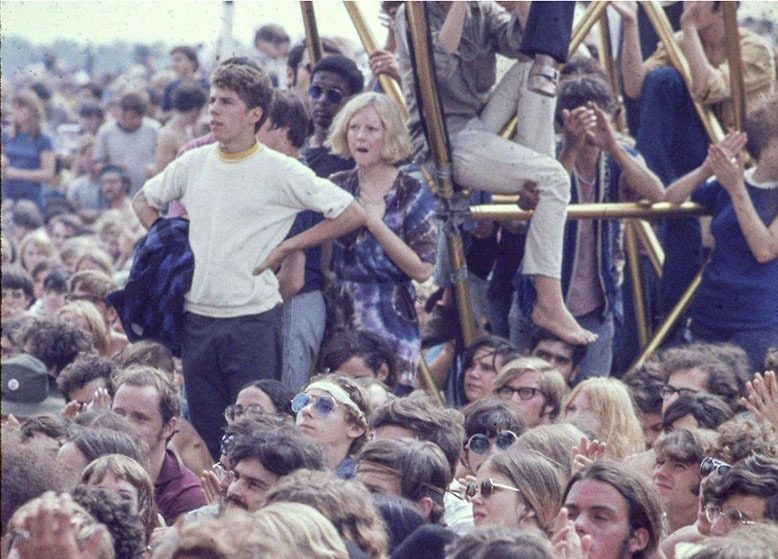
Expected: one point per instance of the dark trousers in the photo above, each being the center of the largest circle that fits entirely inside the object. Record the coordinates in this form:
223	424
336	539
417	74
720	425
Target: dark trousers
220	356
549	26
755	341
673	142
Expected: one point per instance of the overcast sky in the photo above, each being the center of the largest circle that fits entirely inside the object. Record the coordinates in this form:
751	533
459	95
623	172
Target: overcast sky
170	21
195	21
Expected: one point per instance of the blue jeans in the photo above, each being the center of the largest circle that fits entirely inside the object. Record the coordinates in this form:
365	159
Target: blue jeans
673	142
304	318
755	342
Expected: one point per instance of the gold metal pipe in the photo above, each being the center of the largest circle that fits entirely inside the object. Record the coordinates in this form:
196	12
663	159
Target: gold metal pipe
638	301
442	183
501	212
388	83
429	382
577	37
670	320
311	32
736	86
581	31
433	118
462	287
649	241
662	26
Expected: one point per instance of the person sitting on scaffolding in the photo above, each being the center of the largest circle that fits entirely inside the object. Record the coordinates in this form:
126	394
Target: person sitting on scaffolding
466	37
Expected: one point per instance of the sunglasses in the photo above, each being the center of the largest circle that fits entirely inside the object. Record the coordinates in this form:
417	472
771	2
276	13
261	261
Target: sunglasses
236	411
710	465
324	405
486	489
524	392
480	443
333	95
668	390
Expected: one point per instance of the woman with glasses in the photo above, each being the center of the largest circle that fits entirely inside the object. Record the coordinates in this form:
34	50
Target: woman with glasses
517	489
375	265
332	410
261	397
491	426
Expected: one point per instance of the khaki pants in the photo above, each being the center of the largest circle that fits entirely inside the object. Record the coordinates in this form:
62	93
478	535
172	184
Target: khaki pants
484	161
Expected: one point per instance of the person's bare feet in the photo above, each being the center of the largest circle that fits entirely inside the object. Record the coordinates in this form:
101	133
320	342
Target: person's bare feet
559	321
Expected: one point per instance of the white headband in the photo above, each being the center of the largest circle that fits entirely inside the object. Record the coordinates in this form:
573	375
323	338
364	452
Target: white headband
340	395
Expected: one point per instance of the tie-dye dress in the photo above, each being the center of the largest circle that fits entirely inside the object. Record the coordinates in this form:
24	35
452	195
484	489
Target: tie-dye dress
370	291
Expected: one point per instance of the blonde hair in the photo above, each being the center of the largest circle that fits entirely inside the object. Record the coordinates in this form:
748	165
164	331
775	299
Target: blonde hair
610	402
33	103
397	141
102	261
39	239
124	467
97	327
345	503
294	530
552	384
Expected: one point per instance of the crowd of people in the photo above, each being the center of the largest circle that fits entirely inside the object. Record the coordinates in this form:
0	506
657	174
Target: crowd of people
213	318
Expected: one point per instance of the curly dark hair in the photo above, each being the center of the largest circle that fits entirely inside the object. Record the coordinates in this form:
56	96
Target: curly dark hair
85	368
55	342
109	509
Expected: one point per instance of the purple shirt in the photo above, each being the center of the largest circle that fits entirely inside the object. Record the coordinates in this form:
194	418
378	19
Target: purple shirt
177	489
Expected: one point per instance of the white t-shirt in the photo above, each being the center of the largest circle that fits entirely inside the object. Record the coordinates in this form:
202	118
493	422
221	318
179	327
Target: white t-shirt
239	210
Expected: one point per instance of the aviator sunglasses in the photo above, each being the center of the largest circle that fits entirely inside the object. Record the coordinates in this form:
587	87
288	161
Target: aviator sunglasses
333	95
324	405
480	443
486	488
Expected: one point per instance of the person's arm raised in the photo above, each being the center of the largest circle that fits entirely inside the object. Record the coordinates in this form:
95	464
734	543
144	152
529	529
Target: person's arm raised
680	190
633	67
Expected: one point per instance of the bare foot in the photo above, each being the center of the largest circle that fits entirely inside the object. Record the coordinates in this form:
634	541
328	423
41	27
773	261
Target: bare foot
559	321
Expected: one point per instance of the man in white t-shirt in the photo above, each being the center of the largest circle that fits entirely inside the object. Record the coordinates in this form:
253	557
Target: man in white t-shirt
241	199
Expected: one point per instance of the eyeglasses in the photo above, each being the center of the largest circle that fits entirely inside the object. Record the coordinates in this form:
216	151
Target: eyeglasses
324	405
668	390
236	411
480	443
222	472
524	392
333	95
710	465
486	489
732	516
